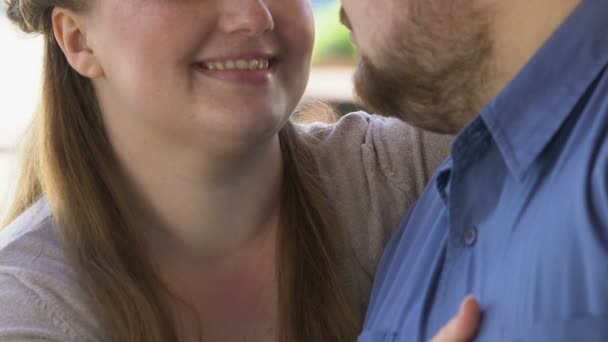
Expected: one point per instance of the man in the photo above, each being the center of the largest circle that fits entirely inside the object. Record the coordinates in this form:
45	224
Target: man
518	214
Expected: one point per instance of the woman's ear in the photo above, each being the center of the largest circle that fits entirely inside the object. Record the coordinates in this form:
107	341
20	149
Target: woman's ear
71	36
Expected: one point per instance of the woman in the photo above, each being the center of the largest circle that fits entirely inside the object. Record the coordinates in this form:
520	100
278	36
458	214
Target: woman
166	195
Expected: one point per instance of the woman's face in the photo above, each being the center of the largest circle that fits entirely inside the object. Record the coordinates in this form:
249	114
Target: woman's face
200	69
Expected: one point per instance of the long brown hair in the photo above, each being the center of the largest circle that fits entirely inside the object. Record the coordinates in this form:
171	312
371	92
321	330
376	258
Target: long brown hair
69	161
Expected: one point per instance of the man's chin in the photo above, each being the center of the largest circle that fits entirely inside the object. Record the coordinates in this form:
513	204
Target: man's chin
390	93
373	90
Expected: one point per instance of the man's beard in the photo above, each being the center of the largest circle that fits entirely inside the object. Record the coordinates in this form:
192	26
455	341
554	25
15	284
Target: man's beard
433	68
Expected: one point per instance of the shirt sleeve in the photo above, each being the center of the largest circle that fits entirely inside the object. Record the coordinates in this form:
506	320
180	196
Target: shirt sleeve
40	295
24	316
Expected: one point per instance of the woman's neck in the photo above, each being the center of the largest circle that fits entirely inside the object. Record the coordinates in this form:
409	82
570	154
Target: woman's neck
207	206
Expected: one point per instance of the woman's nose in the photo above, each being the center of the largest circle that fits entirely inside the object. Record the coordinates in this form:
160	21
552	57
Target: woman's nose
251	17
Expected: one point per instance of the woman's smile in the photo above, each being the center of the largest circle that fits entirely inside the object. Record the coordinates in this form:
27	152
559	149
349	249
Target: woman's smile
243	68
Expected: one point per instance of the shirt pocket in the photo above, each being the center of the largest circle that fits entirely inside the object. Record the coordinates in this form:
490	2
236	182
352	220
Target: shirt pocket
587	328
377	336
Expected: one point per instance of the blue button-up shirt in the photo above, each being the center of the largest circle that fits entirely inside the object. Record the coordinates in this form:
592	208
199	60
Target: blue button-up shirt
518	215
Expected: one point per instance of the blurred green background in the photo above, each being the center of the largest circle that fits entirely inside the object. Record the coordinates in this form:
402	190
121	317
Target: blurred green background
333	45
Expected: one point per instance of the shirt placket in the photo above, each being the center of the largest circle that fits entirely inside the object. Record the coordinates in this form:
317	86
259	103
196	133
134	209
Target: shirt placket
462	233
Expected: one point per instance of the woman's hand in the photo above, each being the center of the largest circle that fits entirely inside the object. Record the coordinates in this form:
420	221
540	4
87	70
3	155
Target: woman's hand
463	327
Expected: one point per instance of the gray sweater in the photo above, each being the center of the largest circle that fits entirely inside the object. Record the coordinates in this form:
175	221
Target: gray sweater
373	169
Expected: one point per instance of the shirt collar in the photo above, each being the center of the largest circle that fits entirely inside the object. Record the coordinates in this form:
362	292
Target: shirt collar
526	115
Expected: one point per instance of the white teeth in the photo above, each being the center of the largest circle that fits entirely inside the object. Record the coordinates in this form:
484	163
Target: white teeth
239	64
242	64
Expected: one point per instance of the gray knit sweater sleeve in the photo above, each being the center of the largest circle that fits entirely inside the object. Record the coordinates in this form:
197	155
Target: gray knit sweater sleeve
373	168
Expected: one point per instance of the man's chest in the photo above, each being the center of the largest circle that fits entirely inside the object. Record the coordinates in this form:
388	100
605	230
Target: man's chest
541	274
535	261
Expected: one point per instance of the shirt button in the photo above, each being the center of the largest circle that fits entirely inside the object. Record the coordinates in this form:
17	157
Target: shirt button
470	236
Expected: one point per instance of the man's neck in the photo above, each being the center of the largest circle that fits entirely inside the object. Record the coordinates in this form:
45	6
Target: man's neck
520	28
